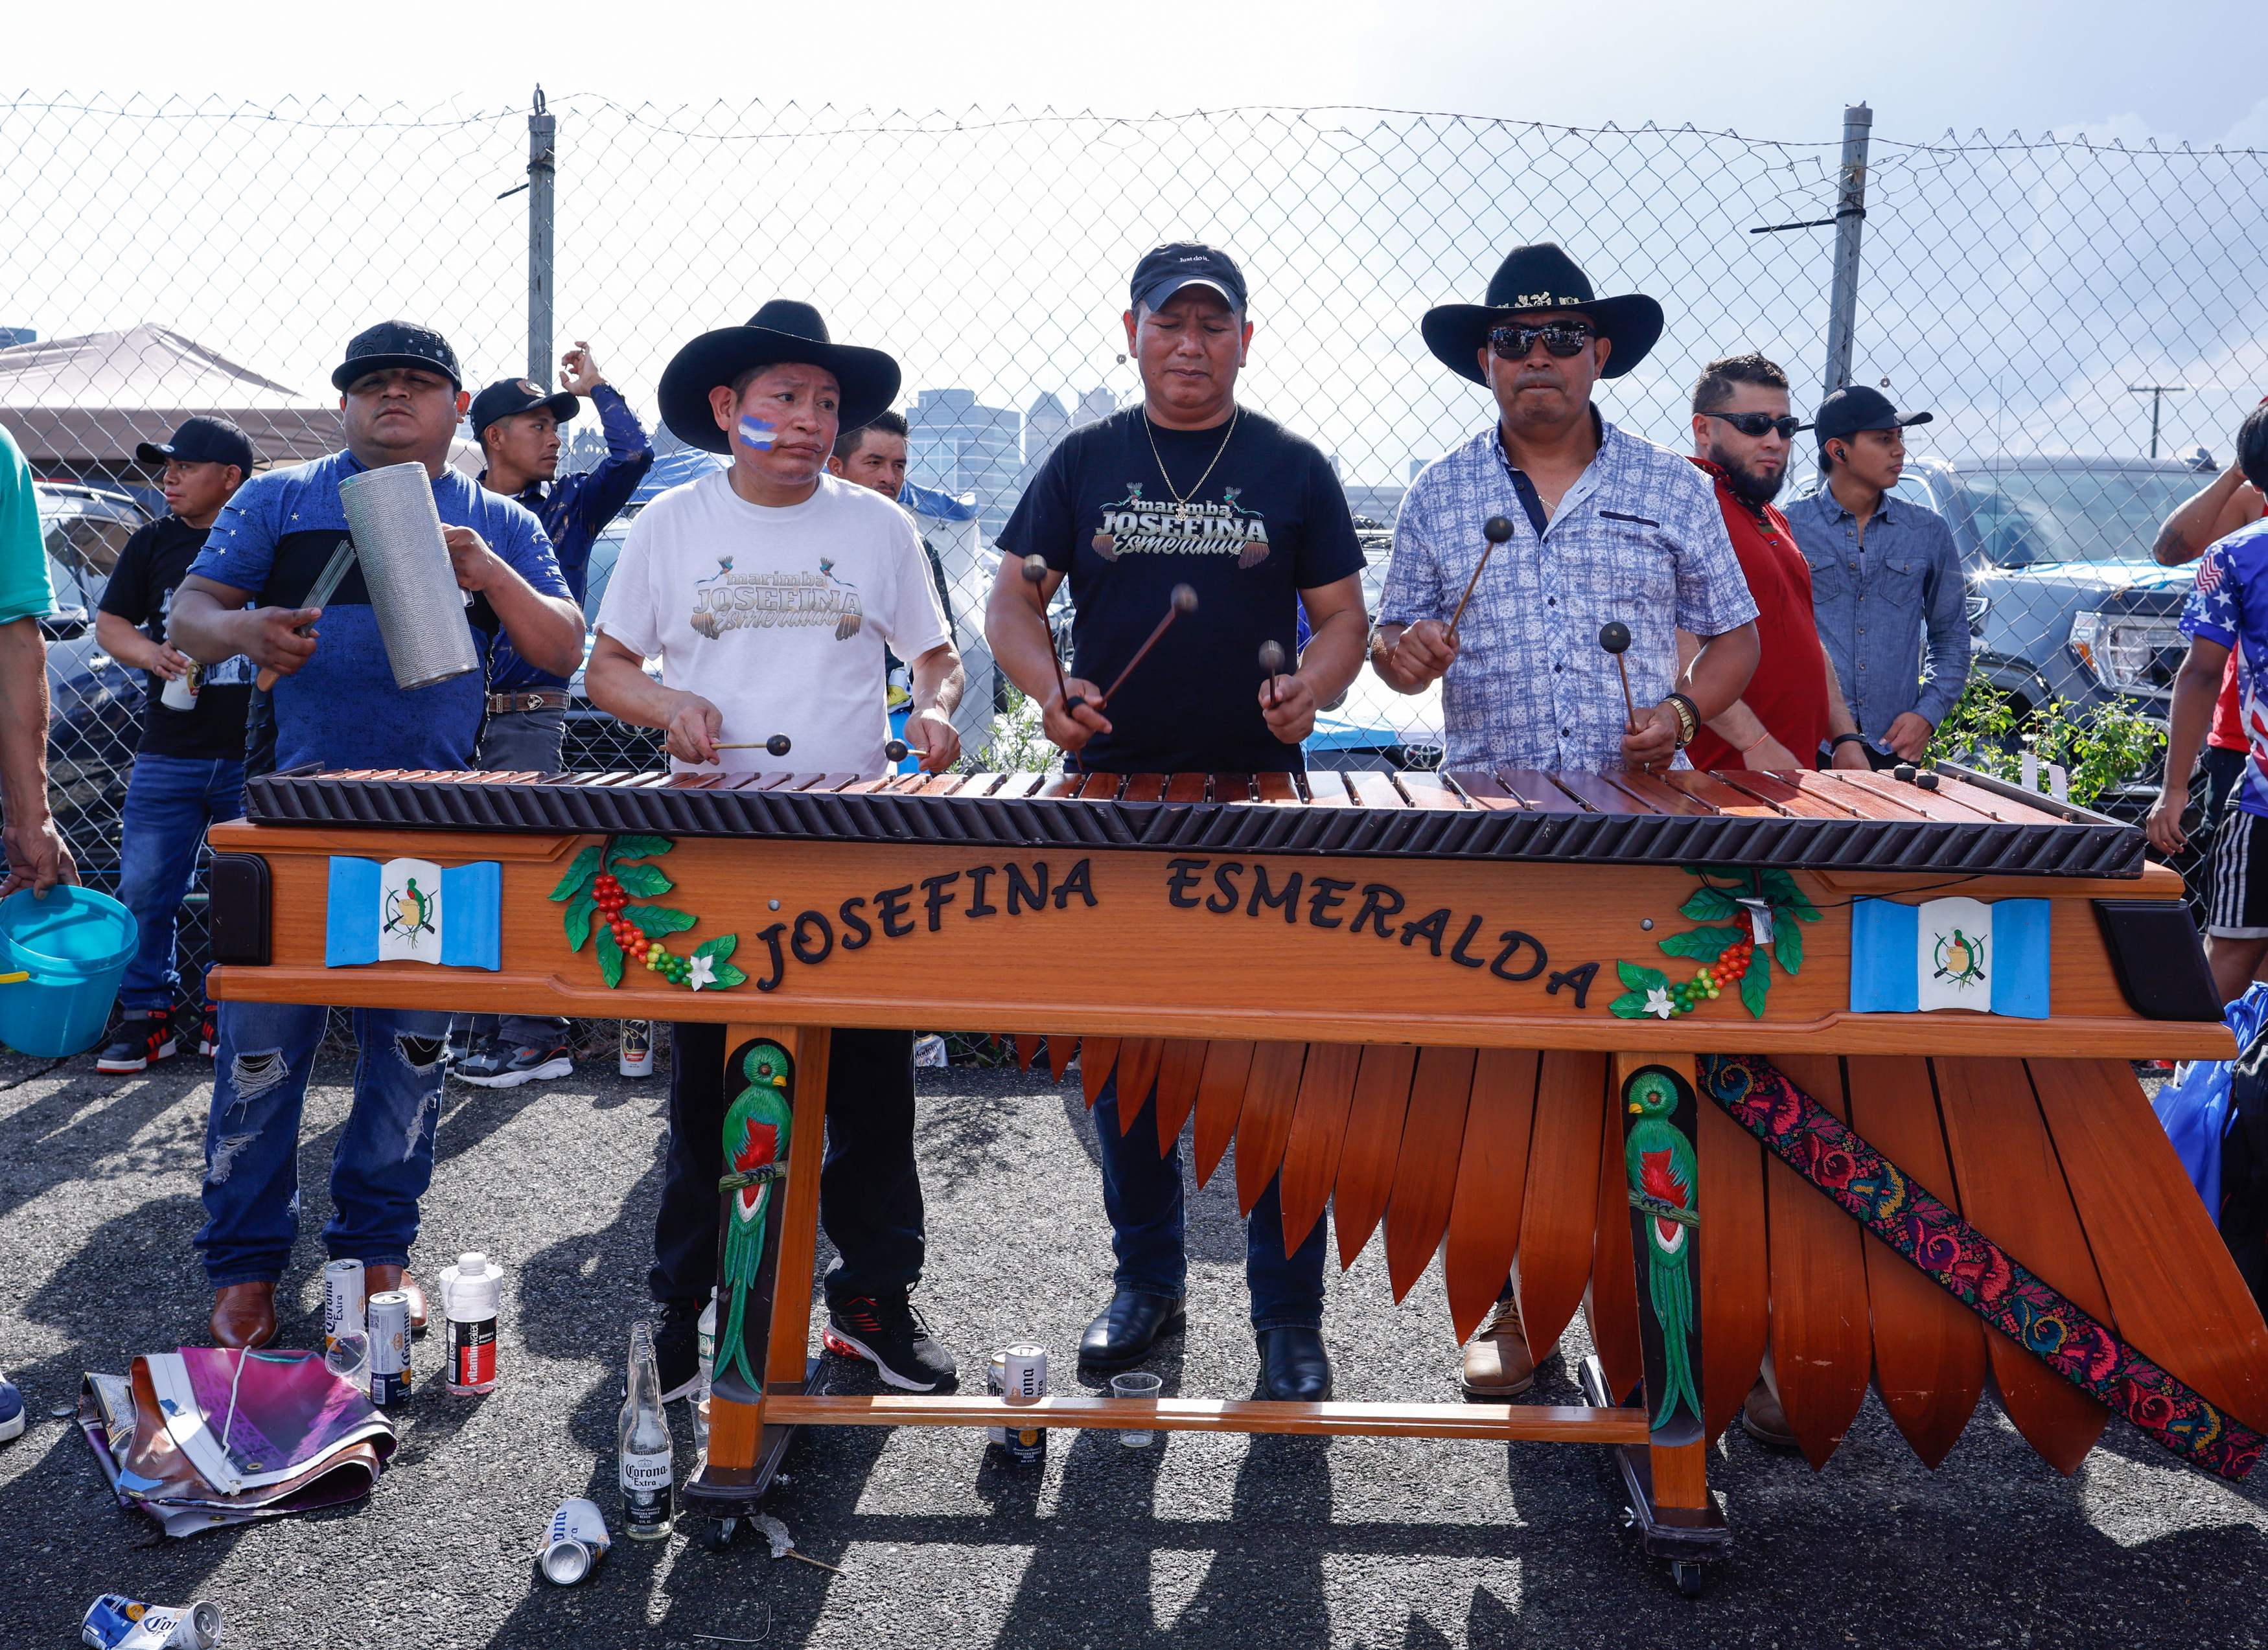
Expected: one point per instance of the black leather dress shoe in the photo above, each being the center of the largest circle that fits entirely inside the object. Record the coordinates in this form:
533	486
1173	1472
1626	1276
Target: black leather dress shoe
1293	1366
1125	1328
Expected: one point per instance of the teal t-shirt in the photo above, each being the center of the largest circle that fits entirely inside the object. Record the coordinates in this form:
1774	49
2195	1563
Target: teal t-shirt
25	592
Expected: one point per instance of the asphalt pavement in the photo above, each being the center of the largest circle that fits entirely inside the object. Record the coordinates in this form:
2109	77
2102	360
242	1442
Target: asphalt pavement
1203	1541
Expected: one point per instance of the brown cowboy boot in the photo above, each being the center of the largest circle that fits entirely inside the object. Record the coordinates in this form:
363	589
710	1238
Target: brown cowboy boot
1497	1363
243	1315
377	1280
1762	1420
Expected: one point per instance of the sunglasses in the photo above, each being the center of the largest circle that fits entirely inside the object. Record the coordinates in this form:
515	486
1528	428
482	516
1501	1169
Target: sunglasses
1563	338
1761	423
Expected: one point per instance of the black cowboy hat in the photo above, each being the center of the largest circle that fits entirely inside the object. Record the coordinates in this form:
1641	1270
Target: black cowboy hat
783	331
1541	278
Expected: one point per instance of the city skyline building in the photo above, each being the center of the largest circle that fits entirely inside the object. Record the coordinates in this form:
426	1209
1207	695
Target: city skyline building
959	446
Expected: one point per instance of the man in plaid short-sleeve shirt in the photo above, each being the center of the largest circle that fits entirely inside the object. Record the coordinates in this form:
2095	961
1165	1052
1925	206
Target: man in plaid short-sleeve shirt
1606	528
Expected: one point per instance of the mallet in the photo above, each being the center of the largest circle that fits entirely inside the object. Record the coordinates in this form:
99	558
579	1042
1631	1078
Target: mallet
1272	666
1035	574
1496	529
1614	637
1184	600
778	744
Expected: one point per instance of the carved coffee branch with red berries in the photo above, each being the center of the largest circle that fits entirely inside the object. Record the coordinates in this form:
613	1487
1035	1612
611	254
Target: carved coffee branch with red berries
600	890
1727	905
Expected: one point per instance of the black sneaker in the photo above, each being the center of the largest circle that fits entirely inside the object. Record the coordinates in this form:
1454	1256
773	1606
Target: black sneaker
209	1040
140	1042
677	1349
496	1065
890	1333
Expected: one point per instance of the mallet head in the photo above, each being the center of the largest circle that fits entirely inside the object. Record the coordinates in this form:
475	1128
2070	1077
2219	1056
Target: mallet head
1184	599
1036	570
894	750
1497	529
1614	635
778	744
1271	658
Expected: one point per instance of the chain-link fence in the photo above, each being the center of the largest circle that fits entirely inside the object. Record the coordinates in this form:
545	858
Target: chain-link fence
2086	321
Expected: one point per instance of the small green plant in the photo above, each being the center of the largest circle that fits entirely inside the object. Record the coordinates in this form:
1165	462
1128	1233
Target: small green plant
1017	746
1990	731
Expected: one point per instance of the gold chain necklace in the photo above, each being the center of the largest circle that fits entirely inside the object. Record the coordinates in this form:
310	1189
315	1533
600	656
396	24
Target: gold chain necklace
1235	412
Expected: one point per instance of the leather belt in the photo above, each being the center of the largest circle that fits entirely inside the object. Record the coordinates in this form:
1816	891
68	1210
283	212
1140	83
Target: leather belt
533	699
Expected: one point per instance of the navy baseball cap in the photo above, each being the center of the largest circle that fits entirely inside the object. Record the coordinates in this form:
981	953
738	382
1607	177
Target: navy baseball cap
1165	270
1849	410
200	441
509	396
396	344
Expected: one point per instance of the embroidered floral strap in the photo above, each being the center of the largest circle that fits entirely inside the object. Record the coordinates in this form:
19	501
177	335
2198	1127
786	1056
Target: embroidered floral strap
1972	1268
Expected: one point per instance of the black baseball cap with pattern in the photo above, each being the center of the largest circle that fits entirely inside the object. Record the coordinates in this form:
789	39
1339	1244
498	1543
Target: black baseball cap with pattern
396	344
200	440
1165	270
507	397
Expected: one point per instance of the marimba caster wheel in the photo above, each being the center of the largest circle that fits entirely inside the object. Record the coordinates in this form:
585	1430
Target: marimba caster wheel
718	1537
1689	1578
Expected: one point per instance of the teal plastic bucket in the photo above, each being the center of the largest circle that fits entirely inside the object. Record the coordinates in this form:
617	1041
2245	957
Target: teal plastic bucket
75	945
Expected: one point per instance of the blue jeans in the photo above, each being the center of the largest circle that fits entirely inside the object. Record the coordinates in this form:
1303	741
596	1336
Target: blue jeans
170	800
1142	1193
384	1156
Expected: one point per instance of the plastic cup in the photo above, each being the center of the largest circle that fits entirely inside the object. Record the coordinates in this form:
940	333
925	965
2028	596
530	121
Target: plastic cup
1136	1383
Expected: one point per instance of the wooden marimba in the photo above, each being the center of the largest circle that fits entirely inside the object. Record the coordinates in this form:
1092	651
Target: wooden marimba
1433	1002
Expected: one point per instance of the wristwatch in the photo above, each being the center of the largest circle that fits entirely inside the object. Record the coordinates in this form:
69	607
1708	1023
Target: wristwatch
1689	718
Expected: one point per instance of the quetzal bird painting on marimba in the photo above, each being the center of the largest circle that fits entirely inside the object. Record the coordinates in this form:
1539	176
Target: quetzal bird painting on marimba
1664	1182
756	1130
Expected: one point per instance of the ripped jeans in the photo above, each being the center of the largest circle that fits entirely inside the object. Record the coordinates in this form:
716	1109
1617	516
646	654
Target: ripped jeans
384	1160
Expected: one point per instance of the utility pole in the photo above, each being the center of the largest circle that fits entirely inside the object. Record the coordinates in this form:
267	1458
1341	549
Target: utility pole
2157	392
542	146
1850	214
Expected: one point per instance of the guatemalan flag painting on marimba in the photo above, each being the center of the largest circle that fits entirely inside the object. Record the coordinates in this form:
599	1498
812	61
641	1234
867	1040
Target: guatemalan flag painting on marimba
1991	957
413	910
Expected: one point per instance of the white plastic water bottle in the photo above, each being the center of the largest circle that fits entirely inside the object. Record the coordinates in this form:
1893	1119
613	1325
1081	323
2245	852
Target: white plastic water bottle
472	1292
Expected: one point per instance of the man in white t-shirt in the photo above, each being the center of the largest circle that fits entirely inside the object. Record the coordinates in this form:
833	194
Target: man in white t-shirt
768	591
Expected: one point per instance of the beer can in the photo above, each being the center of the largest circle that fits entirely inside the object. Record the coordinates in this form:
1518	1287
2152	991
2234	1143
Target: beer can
342	1297
634	1057
390	1374
1024	1380
180	692
574	1543
115	1622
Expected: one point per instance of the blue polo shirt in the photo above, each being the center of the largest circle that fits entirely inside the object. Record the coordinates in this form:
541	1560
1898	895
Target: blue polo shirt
342	708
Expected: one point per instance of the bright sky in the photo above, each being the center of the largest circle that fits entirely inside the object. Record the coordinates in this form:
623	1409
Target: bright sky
1780	70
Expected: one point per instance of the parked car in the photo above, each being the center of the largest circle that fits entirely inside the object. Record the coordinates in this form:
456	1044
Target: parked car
95	703
2064	600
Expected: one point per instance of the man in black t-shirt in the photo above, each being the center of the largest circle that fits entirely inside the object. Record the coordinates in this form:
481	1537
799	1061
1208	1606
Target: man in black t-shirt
1186	488
189	770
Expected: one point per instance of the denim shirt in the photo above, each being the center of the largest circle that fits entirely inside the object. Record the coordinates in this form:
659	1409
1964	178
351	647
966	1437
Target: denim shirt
575	510
1878	603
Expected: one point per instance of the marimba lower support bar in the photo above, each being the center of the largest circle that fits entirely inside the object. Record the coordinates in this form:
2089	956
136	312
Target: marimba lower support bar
1541	1423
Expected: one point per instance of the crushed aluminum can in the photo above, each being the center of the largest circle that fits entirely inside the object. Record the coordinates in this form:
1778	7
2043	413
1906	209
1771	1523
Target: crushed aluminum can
114	1622
574	1543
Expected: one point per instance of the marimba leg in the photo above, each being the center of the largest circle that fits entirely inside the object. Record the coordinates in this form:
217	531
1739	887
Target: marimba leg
773	1075
1667	1483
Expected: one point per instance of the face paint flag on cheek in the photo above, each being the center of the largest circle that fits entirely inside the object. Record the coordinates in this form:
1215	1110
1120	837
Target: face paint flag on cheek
757	433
